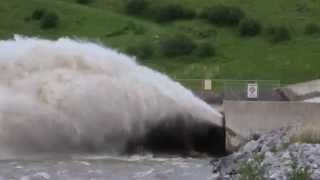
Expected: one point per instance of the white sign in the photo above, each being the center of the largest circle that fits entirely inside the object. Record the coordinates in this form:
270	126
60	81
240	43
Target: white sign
252	91
207	84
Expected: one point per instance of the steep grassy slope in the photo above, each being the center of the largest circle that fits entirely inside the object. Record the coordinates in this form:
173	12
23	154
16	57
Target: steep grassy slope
237	57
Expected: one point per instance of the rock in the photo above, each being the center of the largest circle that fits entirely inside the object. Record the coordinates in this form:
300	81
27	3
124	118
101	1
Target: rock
251	146
278	159
233	141
316	174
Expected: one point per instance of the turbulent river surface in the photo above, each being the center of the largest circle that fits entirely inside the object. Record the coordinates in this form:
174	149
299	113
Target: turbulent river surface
106	167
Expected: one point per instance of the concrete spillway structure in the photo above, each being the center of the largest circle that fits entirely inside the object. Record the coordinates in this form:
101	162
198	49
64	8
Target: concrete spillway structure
250	117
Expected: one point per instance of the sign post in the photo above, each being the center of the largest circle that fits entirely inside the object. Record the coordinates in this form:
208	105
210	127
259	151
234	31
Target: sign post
252	91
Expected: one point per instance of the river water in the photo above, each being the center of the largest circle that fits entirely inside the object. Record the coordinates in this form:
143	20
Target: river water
106	167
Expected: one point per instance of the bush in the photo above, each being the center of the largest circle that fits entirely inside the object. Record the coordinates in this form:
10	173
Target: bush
49	21
278	33
312	28
135	7
142	51
172	12
177	45
223	15
85	2
205	50
249	27
38	14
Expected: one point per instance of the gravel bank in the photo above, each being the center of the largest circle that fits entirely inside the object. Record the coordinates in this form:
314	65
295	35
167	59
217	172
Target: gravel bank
270	156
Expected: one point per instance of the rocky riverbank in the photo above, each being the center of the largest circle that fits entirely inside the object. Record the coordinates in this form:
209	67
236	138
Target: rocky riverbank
270	156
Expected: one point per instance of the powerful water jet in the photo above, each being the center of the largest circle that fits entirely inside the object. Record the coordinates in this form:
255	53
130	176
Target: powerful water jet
75	96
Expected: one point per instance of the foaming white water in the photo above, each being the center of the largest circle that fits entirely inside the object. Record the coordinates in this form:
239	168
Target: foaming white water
57	95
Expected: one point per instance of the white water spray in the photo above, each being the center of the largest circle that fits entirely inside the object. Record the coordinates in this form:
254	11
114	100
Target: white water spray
58	95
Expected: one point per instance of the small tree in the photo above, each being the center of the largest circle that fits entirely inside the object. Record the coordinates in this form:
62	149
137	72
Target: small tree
49	21
38	14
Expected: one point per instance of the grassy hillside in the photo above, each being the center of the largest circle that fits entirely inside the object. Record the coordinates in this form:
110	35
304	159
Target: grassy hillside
237	57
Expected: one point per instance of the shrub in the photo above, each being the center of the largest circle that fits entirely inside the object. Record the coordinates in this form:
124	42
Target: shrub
38	14
172	12
85	2
278	33
177	45
223	15
312	28
249	27
205	50
142	51
135	7
49	21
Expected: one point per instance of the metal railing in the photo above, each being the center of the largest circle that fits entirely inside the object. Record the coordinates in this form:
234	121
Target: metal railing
236	89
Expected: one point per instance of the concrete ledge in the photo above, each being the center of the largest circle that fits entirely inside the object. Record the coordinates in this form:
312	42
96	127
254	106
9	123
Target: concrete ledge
248	117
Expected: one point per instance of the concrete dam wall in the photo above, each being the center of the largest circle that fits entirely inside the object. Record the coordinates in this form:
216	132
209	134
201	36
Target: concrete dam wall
247	117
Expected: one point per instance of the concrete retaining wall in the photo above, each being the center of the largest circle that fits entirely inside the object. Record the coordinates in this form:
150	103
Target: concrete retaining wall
247	117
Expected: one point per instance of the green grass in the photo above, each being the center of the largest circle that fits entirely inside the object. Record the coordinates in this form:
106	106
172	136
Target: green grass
237	57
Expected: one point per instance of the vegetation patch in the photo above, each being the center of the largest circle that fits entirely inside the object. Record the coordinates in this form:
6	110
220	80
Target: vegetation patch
172	12
299	173
38	14
205	50
129	27
312	28
142	51
106	20
223	15
136	7
50	20
85	2
252	170
249	27
278	33
177	45
309	133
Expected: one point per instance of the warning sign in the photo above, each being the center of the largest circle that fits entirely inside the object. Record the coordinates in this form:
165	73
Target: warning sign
252	91
207	84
